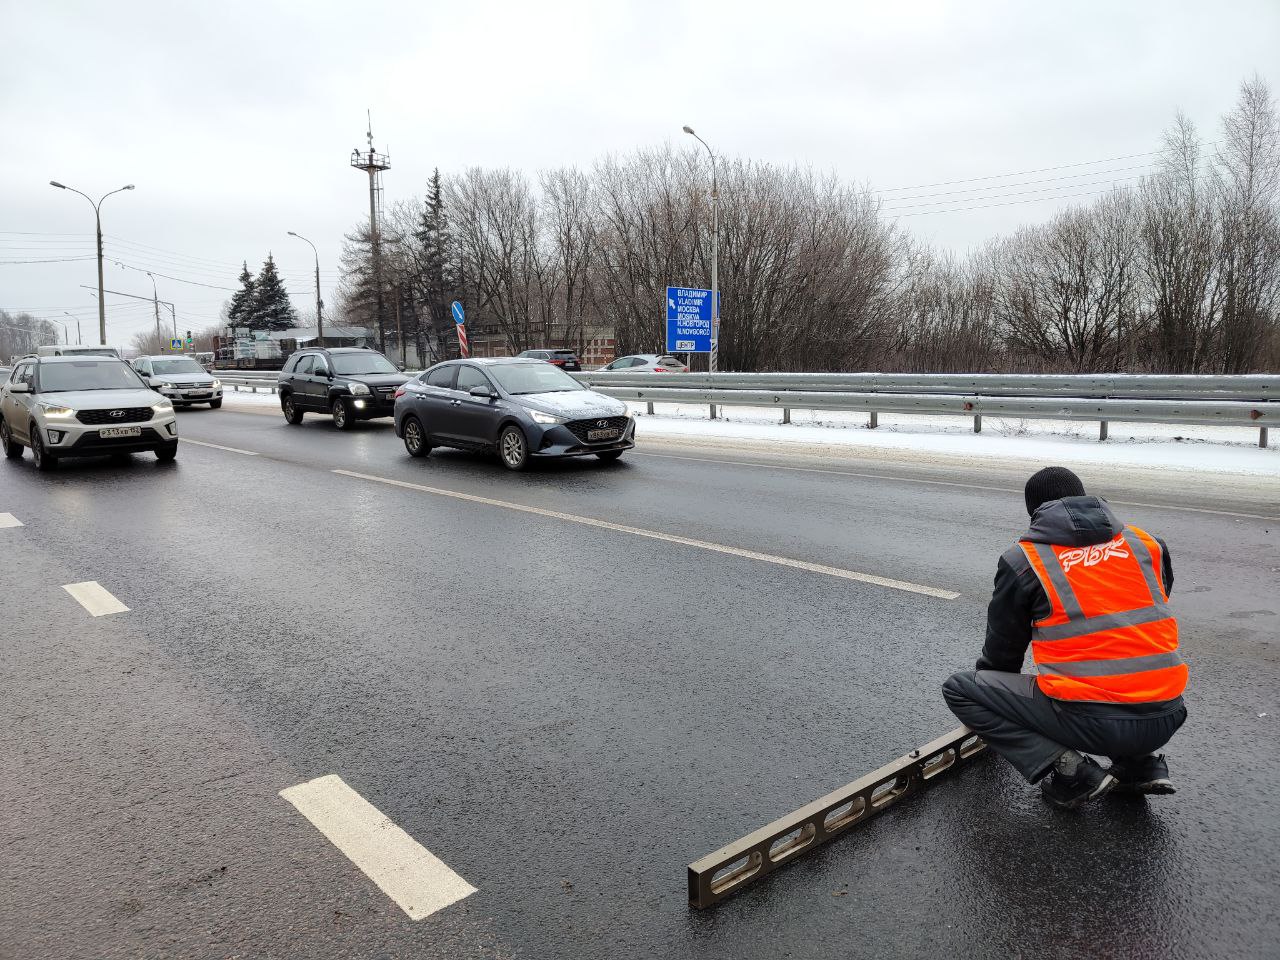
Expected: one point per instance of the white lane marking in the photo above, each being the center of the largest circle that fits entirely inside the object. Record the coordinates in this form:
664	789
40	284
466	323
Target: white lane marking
938	483
9	520
218	446
94	598
670	538
418	881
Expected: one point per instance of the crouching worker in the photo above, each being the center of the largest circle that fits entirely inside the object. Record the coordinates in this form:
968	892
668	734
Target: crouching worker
1090	596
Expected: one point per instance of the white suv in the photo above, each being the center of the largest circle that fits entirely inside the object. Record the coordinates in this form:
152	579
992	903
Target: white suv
82	407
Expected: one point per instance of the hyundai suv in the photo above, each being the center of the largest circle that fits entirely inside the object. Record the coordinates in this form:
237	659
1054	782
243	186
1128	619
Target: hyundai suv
349	383
82	407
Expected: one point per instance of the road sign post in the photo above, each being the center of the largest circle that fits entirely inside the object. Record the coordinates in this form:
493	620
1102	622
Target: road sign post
689	314
460	319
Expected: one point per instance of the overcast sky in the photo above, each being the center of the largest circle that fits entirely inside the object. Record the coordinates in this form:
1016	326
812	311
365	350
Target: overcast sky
236	120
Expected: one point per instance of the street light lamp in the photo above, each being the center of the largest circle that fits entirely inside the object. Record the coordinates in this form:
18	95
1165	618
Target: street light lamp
77	320
715	253
319	302
97	216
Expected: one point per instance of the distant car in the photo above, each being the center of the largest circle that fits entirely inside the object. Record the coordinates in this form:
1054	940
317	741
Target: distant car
76	350
82	407
564	359
521	408
646	363
181	379
349	383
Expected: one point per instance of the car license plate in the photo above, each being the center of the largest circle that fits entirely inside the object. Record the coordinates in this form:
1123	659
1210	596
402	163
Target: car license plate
108	433
197	393
603	434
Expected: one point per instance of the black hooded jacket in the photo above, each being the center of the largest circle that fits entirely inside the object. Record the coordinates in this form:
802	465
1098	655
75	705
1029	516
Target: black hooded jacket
1019	600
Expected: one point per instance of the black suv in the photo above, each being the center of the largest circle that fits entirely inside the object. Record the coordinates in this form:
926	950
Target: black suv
351	383
564	359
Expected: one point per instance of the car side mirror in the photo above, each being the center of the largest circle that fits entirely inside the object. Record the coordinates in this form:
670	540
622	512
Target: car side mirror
19	388
484	392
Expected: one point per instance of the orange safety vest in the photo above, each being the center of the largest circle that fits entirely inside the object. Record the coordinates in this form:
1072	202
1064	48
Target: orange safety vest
1109	636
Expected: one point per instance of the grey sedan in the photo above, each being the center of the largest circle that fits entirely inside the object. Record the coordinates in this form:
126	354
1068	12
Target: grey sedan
521	409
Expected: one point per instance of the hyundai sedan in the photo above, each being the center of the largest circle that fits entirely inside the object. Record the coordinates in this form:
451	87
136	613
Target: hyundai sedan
521	409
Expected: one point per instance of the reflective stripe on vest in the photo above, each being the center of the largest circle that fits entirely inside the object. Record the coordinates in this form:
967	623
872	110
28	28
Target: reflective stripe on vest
1109	636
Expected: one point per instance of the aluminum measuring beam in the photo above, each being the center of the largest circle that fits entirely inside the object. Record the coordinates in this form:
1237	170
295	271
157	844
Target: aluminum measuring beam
739	864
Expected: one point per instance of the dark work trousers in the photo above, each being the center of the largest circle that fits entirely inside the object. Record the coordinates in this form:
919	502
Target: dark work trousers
1031	730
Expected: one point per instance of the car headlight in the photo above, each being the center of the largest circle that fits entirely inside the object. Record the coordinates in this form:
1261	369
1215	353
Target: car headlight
162	406
165	385
358	389
540	417
55	411
215	385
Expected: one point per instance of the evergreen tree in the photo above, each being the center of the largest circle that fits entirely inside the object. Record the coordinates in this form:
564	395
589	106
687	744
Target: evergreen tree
272	309
439	277
240	313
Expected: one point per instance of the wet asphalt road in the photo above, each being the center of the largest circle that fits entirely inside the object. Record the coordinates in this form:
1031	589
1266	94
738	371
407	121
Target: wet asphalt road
568	715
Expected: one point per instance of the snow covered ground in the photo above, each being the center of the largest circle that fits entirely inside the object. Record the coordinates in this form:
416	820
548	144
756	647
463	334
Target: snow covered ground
1175	447
1179	447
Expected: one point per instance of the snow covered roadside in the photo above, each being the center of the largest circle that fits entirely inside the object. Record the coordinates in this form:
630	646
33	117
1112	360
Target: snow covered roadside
1169	446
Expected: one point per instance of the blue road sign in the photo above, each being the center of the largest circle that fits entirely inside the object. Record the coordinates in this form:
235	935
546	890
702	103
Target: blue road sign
458	315
175	344
688	320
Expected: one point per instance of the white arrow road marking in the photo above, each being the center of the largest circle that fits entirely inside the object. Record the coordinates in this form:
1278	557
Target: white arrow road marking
9	520
672	538
94	598
408	873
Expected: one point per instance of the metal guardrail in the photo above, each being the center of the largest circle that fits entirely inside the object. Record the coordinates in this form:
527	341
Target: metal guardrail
746	861
1259	387
1246	401
252	384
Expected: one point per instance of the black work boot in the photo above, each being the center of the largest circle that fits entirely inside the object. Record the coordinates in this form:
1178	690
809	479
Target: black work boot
1089	782
1149	774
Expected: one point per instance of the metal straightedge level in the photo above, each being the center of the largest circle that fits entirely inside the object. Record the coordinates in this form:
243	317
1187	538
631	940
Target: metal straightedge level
739	864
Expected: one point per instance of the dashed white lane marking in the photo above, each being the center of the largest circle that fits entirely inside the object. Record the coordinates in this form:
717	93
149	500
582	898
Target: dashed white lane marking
94	598
218	446
670	538
9	520
418	881
760	465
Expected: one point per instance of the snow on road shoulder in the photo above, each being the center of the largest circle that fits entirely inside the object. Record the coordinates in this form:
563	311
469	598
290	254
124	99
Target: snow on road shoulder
1172	446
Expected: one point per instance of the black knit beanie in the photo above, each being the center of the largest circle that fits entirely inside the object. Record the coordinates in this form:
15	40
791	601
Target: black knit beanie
1051	483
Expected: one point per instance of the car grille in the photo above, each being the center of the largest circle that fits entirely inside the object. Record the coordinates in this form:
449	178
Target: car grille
127	415
579	428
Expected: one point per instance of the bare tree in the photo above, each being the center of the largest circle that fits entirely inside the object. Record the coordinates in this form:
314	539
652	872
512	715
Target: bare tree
1247	184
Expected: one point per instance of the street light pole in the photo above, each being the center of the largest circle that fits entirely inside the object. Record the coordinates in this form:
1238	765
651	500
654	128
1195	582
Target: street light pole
97	218
319	302
77	320
715	253
155	303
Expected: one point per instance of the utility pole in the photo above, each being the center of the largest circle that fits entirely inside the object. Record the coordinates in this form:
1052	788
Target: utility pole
319	302
373	164
715	254
97	216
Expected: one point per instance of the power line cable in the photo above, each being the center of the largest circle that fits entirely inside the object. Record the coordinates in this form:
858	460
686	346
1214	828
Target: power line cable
1021	173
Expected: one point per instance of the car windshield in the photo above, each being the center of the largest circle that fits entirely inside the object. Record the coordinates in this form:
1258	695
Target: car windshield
519	378
88	375
358	364
176	365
